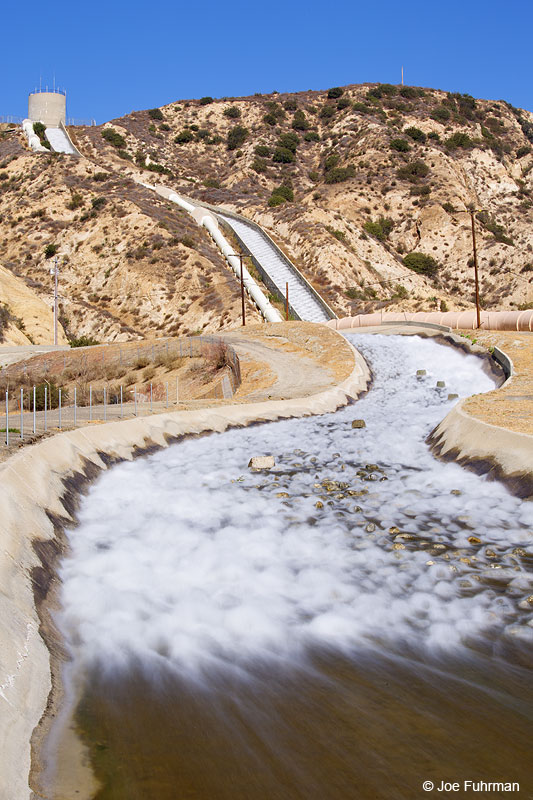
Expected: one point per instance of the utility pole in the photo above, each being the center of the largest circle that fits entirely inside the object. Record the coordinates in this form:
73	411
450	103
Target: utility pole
287	301
472	211
55	272
402	75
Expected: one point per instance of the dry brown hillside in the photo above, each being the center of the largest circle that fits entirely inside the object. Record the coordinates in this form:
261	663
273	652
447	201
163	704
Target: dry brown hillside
350	183
374	171
131	265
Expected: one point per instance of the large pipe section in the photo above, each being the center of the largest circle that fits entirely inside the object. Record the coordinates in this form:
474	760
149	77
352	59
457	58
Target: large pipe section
33	140
205	218
463	320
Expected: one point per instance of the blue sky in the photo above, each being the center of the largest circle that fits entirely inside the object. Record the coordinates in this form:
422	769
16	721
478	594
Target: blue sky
115	57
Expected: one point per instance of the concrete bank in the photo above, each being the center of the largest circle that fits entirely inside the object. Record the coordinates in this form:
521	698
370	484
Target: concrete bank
38	493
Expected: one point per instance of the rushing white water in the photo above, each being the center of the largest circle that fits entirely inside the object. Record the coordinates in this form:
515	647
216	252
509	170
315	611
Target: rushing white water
187	558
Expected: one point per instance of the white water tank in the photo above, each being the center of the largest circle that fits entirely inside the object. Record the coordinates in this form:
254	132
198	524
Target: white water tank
48	107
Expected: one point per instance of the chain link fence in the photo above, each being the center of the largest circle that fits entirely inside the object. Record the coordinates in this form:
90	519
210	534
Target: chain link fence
37	406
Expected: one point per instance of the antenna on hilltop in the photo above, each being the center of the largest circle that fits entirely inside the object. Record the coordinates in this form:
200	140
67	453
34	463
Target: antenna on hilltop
402	74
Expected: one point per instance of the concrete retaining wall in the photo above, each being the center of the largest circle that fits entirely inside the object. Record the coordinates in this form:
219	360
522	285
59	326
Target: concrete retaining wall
33	492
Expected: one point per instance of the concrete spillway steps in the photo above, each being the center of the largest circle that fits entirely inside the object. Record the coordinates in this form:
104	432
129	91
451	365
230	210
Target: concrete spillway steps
301	298
59	141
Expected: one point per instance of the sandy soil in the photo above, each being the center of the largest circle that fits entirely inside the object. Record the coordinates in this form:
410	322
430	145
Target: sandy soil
511	406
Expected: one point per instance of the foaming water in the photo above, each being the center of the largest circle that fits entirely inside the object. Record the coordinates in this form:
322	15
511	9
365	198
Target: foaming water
187	560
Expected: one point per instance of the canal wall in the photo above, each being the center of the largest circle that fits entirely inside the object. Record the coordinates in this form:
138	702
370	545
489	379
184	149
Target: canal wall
39	487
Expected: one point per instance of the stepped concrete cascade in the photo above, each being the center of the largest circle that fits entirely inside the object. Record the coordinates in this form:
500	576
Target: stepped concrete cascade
305	305
208	220
60	141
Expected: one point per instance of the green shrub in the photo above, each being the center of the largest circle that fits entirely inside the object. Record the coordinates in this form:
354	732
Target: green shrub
262	150
413	171
447	206
184	136
125	155
270	119
259	165
408	91
343	103
202	134
113	137
523	151
289	140
339	174
282	155
101	176
205	101
400	292
388	89
327	111
83	341
50	250
281	194
459	139
420	190
164	127
314	176
421	263
401	145
236	137
331	161
362	108
98	202
434	136
335	92
155	113
379	228
440	114
312	136
290	104
299	122
212	183
275	200
52	395
498	231
76	201
416	134
232	112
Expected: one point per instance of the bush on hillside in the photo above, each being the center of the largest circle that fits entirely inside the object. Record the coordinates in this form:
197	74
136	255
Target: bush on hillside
262	150
289	140
327	111
290	104
339	174
205	101
50	250
421	263
440	114
312	136
459	139
335	92
232	112
236	137
409	92
413	171
281	194
416	134
299	122
184	136
523	151
380	228
155	113
282	155
401	145
343	103
113	137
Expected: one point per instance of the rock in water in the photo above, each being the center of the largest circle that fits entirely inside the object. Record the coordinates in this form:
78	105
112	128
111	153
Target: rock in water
261	462
358	423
